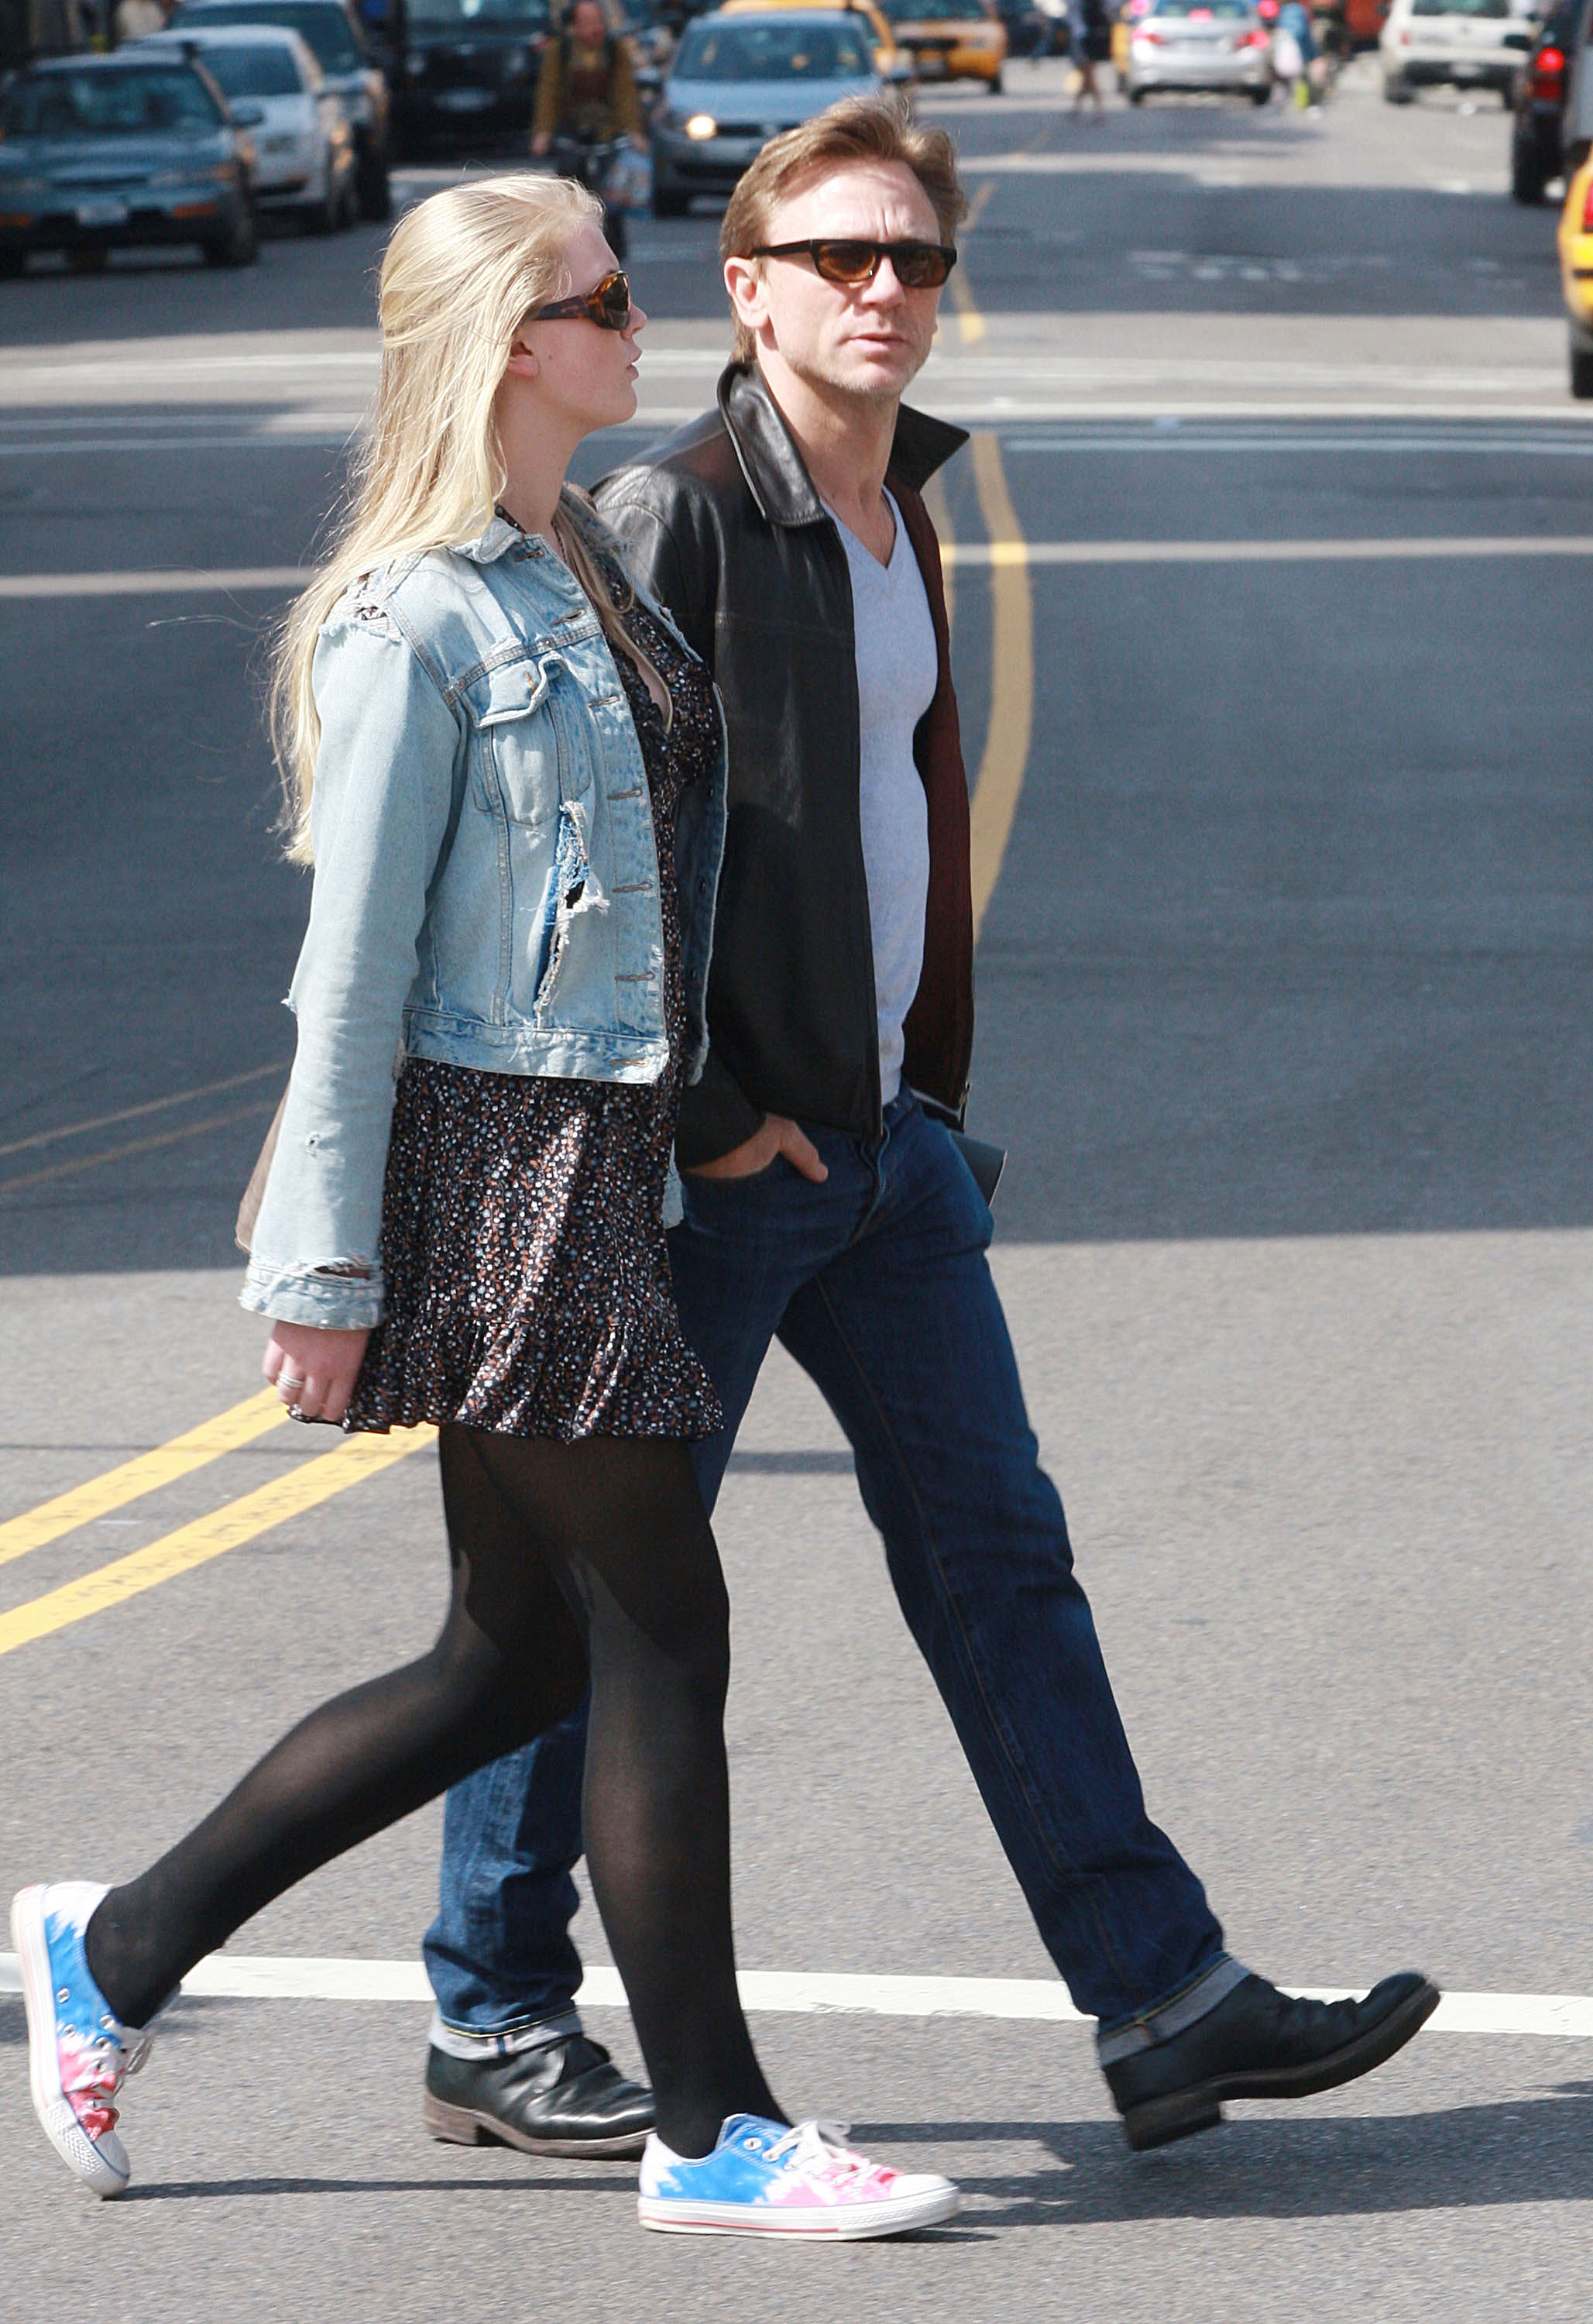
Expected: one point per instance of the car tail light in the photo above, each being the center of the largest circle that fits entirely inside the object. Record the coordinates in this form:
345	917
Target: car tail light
1251	41
1587	227
1548	72
1151	39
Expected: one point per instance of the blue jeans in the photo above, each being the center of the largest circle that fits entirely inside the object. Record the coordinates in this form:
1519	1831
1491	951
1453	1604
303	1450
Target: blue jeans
877	1283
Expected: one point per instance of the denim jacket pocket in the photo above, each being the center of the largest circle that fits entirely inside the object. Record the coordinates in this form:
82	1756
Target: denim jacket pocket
530	757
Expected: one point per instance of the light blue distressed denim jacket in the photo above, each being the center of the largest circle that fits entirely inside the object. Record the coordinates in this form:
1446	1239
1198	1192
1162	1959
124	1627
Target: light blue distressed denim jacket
486	886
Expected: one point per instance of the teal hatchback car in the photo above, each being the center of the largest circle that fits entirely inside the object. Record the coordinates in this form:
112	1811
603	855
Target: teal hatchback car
98	152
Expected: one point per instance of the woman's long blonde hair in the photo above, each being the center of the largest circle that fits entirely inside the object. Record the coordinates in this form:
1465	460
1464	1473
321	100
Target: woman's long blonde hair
462	271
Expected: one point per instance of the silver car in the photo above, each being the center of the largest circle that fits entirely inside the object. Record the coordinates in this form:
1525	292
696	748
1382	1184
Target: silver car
1189	45
304	157
737	81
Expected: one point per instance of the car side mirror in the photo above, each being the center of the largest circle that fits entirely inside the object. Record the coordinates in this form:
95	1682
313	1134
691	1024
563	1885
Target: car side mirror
248	117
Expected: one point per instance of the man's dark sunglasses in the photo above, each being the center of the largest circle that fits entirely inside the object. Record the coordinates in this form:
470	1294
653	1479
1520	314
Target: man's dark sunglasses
607	304
919	265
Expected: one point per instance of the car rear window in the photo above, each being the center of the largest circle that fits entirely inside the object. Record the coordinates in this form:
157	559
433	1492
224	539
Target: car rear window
1500	8
269	70
465	16
122	104
736	52
1226	9
325	28
936	12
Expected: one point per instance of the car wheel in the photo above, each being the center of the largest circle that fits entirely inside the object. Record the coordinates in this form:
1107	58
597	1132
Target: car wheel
993	87
1262	96
241	246
12	263
375	188
1527	182
1137	97
1395	91
1581	372
88	260
669	204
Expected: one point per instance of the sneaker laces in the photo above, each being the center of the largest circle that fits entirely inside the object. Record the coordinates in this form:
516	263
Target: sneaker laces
93	2095
820	2148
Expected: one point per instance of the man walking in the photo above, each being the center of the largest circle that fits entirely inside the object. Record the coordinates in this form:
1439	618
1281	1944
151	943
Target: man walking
827	1205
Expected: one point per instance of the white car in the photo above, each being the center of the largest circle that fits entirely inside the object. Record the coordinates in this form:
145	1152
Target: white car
1468	43
1198	44
304	148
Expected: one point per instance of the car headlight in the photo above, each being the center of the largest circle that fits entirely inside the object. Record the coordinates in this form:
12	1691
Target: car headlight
701	125
517	61
415	63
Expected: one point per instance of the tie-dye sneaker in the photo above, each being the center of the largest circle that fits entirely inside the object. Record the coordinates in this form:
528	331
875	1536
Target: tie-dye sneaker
80	2052
763	2178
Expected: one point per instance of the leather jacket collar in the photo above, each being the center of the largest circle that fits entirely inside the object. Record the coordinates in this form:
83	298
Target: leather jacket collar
777	476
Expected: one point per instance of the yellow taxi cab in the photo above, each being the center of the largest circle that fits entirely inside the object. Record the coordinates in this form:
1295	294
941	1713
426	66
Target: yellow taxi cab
951	40
1576	276
887	56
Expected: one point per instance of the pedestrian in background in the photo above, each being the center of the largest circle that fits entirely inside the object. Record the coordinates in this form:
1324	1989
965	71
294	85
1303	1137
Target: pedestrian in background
587	108
509	771
826	1204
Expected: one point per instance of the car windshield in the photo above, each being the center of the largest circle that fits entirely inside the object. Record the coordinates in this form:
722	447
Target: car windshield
775	51
434	15
1460	8
269	70
935	12
322	24
122	104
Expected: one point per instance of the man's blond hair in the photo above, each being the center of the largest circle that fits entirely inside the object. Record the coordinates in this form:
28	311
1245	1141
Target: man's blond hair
857	129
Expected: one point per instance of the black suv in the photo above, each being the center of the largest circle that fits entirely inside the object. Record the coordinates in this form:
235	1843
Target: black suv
1540	105
337	41
467	71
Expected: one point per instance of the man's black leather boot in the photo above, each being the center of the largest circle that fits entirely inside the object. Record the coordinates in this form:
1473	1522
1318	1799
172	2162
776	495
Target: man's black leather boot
1261	2043
565	2097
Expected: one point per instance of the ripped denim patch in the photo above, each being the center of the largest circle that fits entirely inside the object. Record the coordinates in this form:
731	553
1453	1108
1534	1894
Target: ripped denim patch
575	891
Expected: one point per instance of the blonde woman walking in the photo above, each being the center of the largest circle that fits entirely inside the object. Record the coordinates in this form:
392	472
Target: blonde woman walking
509	771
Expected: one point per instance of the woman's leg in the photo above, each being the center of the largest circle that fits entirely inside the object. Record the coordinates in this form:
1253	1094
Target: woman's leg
622	1524
550	1543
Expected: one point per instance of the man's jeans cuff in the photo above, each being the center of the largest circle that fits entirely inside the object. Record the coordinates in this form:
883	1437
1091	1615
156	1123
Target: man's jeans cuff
508	2042
1175	2014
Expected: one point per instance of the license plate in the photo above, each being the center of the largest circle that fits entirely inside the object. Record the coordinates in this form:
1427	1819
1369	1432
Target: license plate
1468	72
102	213
931	67
464	100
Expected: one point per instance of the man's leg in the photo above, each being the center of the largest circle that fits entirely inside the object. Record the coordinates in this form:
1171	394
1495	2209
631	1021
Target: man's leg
904	1335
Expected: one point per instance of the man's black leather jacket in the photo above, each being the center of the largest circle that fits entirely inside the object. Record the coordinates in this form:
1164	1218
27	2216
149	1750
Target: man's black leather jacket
725	527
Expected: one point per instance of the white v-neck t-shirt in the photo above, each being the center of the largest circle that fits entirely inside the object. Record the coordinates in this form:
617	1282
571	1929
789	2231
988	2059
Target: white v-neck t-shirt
896	672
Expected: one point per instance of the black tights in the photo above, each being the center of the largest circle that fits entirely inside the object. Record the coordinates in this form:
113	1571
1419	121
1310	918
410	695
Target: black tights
568	1561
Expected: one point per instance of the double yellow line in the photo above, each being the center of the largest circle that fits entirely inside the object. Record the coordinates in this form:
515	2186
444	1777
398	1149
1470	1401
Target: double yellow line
190	1545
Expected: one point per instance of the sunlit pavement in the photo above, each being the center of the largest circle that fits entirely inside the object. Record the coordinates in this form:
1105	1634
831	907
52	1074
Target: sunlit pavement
1270	544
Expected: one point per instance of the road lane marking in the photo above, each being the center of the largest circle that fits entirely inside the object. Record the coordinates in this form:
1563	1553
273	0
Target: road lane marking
1009	548
996	791
228	1976
243	1520
164	1138
149	584
137	1112
1023	554
145	1474
971	323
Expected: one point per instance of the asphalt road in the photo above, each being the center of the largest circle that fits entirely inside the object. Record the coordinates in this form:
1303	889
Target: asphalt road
1282	1010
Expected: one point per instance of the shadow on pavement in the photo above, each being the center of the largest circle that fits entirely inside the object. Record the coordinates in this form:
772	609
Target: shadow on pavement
1535	2150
